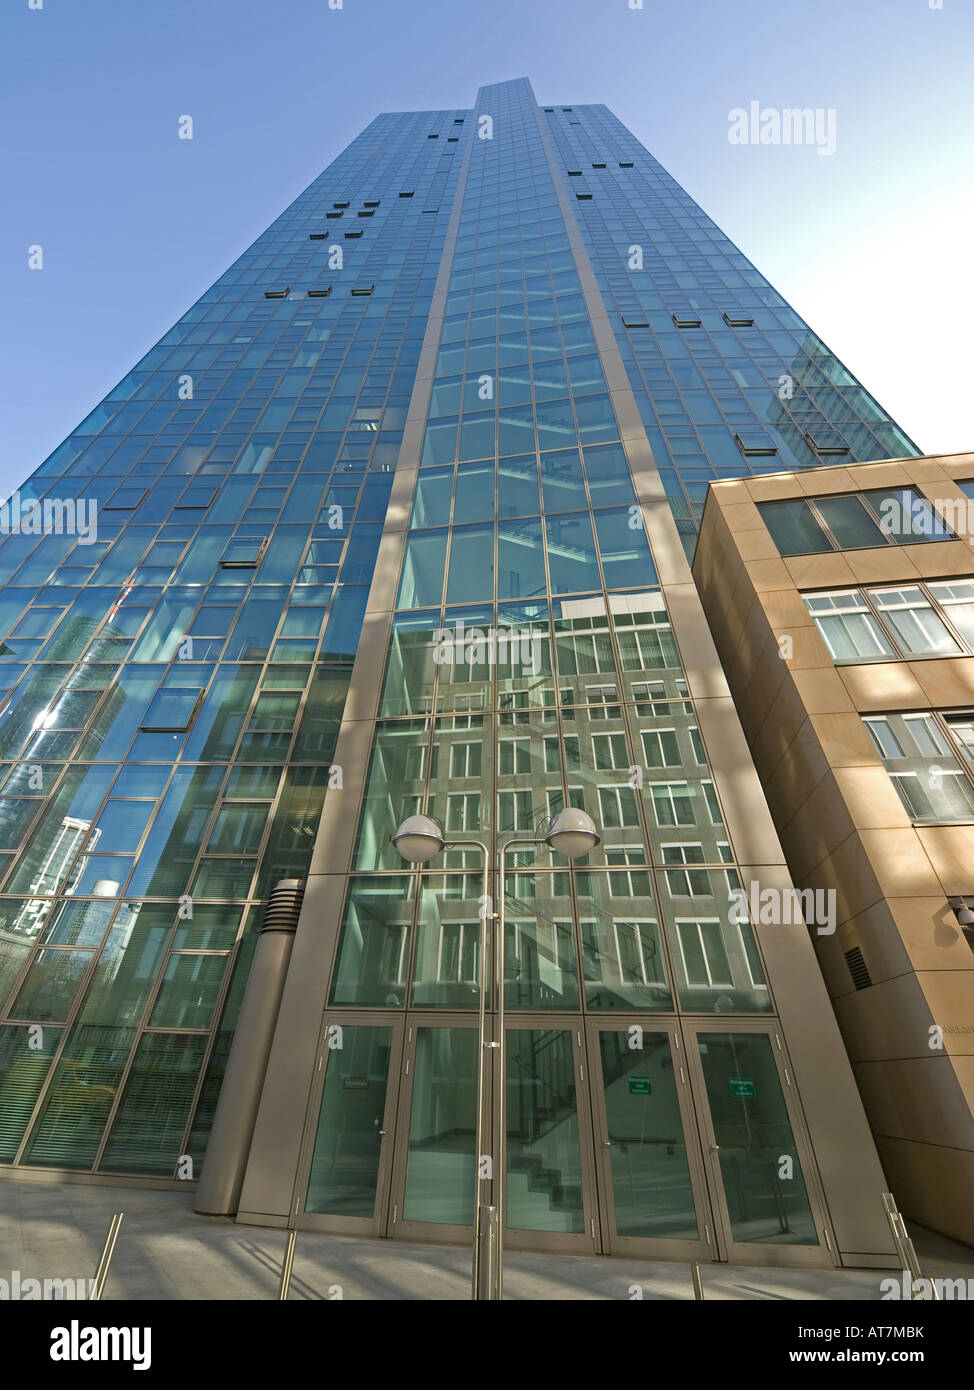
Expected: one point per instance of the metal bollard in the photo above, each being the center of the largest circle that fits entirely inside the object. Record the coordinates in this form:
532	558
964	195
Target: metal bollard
101	1274
904	1245
485	1254
286	1267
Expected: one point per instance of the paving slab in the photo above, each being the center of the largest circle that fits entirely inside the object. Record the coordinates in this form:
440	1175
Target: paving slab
166	1251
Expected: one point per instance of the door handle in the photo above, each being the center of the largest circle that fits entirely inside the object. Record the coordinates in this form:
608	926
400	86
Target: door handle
382	1133
607	1143
714	1148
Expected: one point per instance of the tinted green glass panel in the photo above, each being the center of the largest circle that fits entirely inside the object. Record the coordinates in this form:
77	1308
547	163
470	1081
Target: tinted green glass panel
69	1128
622	947
188	992
754	1135
440	1163
850	523
127	965
373	948
348	1141
25	1058
540	970
651	1188
446	970
147	1133
544	1162
794	529
51	985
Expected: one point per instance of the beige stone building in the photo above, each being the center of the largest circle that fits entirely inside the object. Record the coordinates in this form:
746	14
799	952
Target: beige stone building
841	601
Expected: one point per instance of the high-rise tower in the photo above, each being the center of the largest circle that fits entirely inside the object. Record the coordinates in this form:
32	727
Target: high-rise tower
395	520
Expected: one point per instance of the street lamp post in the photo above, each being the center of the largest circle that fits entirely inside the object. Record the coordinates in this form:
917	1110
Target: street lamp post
572	832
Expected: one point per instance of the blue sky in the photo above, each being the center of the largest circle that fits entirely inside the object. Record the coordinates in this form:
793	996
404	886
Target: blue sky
872	244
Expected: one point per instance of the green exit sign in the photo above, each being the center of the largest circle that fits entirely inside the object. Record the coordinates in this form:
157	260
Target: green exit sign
742	1086
640	1086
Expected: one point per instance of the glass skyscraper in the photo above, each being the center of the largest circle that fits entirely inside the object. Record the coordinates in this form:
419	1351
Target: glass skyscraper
395	520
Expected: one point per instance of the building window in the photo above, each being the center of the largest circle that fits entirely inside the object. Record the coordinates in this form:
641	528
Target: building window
917	628
243	552
687	320
756	443
846	625
363	289
705	961
686	882
672	803
928	757
278	294
880	624
618	807
955	598
660	748
610	752
852	521
125	499
515	811
197	496
826	441
738	321
465	760
514	756
171	711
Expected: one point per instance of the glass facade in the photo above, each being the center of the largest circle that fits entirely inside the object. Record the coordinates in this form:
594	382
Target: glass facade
174	684
177	688
728	379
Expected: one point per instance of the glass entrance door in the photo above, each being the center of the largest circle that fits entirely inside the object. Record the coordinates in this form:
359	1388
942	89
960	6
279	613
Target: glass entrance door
550	1190
346	1164
652	1191
626	1136
768	1206
435	1162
